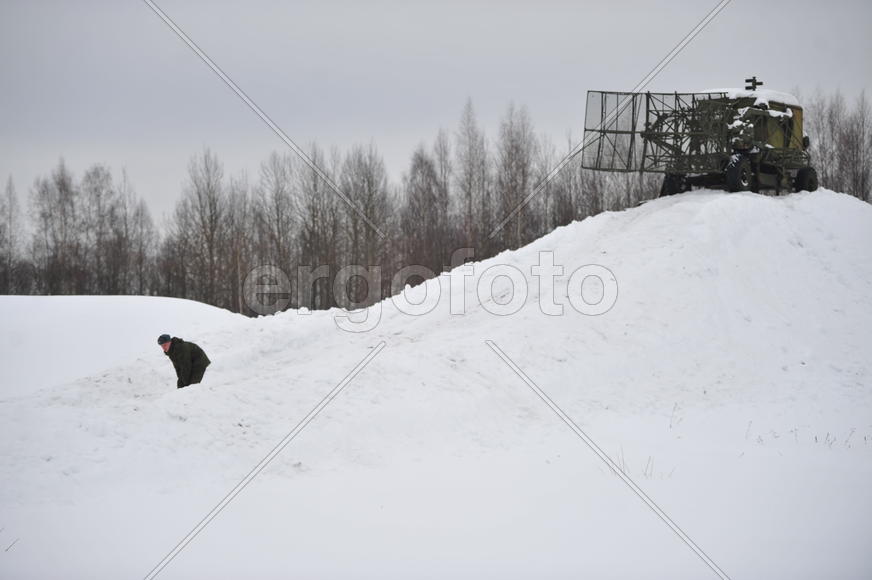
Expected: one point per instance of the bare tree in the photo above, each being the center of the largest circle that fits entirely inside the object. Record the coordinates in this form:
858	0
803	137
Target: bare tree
424	214
854	152
471	181
143	241
591	184
514	174
10	235
205	204
824	119
98	220
444	171
274	208
363	179
552	191
56	247
174	265
569	198
237	252
319	236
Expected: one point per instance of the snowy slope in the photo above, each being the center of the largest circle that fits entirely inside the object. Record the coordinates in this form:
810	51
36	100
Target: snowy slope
731	380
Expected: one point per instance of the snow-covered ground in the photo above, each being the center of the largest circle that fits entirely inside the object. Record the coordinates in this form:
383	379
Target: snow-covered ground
54	340
731	380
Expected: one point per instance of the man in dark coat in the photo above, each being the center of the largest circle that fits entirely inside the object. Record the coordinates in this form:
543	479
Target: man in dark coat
189	359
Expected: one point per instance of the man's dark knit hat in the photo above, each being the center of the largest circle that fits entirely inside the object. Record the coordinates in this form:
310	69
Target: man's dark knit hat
163	338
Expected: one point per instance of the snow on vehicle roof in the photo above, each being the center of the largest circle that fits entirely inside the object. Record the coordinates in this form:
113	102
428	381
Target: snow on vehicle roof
762	96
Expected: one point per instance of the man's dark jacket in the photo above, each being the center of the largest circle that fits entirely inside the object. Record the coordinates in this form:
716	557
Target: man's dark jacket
190	361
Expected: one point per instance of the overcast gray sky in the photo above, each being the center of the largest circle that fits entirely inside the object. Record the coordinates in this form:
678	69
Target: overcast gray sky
107	81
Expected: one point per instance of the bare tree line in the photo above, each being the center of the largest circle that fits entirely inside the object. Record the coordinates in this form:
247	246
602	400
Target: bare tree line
94	235
841	142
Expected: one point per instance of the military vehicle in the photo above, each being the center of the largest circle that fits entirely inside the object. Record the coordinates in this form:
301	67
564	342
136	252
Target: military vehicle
738	140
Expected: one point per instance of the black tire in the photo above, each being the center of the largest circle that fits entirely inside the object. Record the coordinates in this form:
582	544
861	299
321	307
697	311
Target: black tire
672	184
806	179
740	176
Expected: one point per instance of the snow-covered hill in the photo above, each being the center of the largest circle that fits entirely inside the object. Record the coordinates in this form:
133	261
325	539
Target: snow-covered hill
730	379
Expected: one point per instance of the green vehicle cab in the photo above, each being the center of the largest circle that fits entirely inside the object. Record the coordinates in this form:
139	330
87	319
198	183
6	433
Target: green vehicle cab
767	146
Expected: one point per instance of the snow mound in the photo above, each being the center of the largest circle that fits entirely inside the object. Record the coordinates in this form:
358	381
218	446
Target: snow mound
730	379
56	339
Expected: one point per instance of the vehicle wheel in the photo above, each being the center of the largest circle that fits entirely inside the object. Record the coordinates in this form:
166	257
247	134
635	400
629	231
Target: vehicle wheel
672	184
806	179
740	176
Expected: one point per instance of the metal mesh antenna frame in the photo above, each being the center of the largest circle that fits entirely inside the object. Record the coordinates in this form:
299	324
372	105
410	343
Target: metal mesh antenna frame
656	132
